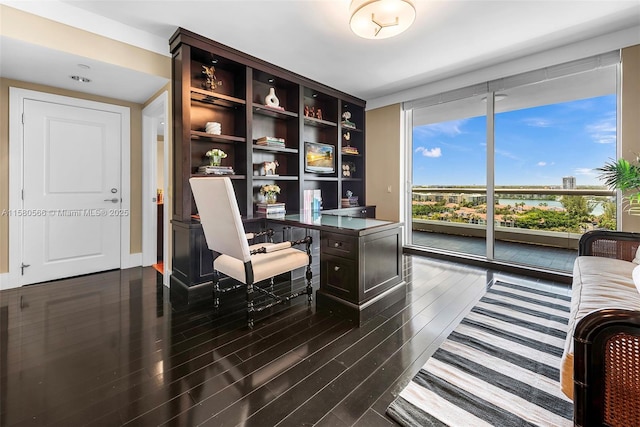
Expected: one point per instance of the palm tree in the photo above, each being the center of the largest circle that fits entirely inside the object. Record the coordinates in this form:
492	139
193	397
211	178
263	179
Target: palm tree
625	176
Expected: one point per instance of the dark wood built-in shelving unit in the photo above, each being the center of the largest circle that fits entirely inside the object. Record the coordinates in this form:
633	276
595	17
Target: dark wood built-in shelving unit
238	104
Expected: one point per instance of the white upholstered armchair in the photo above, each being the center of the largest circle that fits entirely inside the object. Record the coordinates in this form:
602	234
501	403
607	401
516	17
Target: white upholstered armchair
234	257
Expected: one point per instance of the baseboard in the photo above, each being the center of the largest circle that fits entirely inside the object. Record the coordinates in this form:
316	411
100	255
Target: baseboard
5	283
535	272
133	260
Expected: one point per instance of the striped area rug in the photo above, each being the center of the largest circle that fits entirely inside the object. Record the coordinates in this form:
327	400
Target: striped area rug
499	367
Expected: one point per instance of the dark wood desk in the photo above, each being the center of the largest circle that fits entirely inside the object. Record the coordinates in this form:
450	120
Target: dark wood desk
360	263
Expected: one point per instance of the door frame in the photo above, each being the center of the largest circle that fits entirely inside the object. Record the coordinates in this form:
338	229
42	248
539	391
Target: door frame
159	107
17	96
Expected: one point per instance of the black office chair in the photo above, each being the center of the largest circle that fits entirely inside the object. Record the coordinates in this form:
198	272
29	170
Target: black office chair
234	257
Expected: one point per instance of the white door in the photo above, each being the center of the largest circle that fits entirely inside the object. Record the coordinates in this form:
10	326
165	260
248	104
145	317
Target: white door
71	200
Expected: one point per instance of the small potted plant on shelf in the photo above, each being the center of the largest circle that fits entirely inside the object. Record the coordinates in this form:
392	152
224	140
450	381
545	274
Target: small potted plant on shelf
270	192
625	176
215	156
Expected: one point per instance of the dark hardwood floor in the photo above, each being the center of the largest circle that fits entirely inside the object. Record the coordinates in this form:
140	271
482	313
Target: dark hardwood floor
110	349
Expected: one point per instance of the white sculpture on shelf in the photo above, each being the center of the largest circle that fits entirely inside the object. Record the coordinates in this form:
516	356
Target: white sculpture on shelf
271	100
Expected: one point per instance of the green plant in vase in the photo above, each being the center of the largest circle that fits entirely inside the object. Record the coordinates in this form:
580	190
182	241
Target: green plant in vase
215	156
270	192
625	176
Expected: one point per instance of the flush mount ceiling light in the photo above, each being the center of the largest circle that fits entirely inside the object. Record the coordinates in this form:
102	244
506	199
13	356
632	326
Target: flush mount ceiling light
381	19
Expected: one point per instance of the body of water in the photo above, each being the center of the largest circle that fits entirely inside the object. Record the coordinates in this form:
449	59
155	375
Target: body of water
597	210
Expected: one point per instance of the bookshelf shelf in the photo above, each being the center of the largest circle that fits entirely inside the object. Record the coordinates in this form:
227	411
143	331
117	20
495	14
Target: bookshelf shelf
311	121
207	137
275	178
213	98
234	177
275	149
270	112
320	178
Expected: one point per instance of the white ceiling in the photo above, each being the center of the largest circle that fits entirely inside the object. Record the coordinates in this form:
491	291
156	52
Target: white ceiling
37	64
312	38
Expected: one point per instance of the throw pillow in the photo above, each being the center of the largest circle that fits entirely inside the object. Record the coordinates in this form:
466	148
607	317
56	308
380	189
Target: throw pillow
637	258
636	277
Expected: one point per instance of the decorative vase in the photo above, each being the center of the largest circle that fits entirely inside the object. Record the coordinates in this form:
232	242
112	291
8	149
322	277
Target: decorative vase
272	100
271	198
215	160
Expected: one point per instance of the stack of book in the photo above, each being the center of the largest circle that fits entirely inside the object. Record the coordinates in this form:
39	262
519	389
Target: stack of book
216	170
347	149
349	202
270	141
312	200
271	209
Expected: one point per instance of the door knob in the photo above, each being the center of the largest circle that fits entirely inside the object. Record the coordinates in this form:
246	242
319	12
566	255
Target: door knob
114	200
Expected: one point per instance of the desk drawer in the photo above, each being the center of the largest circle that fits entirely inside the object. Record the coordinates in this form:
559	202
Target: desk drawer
338	277
339	244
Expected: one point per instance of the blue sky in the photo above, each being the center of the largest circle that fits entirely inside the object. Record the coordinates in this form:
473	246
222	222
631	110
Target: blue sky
534	146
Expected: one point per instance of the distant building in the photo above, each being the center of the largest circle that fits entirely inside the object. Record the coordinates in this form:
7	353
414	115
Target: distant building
475	199
457	198
569	183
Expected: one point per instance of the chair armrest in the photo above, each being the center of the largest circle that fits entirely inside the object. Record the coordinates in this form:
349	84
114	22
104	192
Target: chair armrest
609	244
284	245
268	232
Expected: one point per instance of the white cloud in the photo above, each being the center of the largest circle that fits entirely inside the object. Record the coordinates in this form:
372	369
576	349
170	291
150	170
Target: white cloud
537	122
604	130
507	154
585	171
542	163
429	152
450	128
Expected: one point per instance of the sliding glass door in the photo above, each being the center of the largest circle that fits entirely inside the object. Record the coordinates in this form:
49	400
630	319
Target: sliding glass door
449	176
514	161
549	138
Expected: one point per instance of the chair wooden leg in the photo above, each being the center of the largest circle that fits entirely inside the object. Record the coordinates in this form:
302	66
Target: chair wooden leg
309	276
216	289
250	311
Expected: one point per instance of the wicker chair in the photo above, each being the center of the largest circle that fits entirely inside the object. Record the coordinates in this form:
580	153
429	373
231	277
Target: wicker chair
607	349
610	244
607	385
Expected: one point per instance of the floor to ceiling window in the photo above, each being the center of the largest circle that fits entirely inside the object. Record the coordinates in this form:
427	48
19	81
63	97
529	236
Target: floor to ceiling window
449	175
548	132
549	138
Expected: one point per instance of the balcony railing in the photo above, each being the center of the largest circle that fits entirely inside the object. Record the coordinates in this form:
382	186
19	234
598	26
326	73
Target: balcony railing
461	213
516	190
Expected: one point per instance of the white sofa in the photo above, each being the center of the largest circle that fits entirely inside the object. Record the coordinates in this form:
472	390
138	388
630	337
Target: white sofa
600	367
598	283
